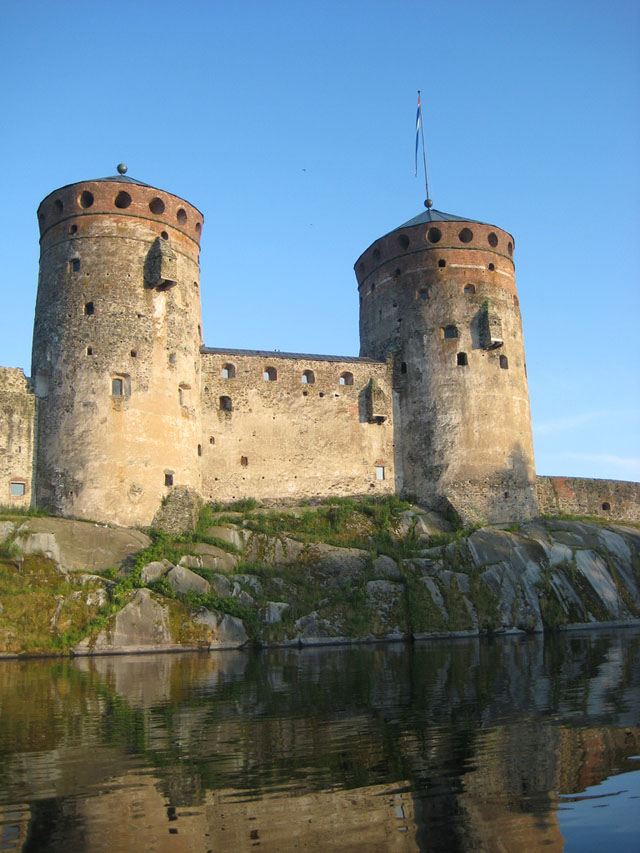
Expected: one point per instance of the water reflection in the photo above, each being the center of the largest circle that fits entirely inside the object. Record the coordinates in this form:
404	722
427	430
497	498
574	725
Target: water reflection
441	746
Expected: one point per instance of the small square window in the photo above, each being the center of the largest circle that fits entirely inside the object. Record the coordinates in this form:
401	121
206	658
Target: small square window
17	490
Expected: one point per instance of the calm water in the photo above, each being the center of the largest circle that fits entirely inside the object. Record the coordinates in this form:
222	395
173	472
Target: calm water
504	745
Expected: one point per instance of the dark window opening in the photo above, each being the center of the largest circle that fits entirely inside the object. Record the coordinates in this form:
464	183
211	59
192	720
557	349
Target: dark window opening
308	377
469	288
225	404
270	374
199	450
228	371
123	200
510	247
86	199
466	235
434	235
134	354
164	235
244	461
346	378
492	267
156	205
73	229
450	332
403	241
89	350
89	309
442	262
606	506
403	367
373	287
117	387
462	359
397	273
74	264
423	294
181	216
504	362
168	479
212	440
493	239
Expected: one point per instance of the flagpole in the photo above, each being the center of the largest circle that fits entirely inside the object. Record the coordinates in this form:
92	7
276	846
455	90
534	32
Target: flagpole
428	203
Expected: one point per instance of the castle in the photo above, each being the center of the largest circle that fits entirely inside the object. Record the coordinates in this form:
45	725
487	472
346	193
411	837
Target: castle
126	405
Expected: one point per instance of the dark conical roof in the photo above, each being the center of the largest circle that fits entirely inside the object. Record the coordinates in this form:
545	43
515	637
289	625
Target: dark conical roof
122	179
436	216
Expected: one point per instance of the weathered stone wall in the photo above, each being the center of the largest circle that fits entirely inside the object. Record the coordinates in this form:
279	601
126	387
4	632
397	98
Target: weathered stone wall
613	499
287	438
440	298
17	419
116	350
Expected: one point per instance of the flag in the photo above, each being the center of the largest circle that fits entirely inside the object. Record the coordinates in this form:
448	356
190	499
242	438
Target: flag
418	120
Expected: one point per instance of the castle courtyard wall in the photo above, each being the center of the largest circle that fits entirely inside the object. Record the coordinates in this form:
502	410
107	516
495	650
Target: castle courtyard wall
287	438
17	420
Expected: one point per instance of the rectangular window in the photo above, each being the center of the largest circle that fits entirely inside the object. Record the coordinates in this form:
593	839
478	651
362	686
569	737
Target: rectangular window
17	490
117	387
379	472
168	479
74	264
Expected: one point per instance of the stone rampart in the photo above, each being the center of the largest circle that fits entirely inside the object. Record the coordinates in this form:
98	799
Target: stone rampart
17	417
617	500
286	425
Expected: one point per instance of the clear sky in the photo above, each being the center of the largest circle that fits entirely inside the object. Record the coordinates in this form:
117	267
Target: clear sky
291	125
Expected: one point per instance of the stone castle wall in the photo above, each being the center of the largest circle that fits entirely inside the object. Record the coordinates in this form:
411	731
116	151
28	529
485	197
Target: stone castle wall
617	500
279	425
17	424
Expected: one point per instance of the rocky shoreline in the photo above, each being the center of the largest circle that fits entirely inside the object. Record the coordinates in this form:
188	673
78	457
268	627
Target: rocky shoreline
77	588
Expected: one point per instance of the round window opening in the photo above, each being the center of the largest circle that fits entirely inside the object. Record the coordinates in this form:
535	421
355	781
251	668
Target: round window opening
510	247
164	235
123	200
434	235
493	239
466	235
86	199
156	205
181	216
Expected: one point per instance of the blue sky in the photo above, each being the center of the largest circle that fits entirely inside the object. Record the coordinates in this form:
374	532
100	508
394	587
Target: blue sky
291	126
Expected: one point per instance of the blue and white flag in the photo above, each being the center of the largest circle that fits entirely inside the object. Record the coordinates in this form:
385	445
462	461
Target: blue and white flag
418	120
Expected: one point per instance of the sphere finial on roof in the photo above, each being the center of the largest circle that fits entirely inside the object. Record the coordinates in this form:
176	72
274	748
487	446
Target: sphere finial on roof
122	168
428	204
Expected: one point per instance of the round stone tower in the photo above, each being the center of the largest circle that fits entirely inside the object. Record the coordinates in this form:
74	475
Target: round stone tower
438	296
116	349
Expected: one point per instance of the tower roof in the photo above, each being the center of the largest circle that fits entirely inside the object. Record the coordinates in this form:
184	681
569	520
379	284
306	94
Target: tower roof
122	179
433	215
